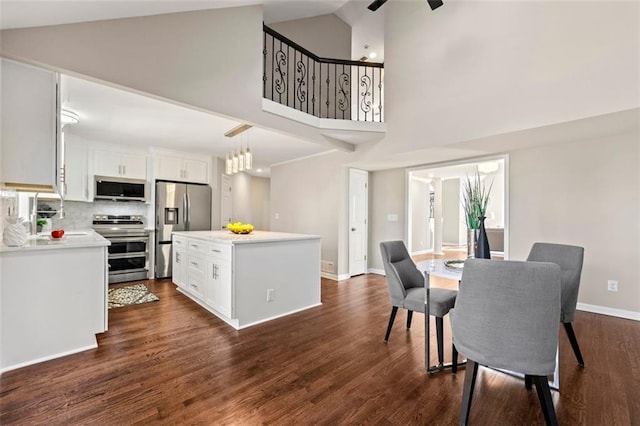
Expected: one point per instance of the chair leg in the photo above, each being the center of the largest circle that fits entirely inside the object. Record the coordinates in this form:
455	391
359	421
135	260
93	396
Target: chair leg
544	396
440	337
409	317
454	359
574	342
527	382
467	391
394	311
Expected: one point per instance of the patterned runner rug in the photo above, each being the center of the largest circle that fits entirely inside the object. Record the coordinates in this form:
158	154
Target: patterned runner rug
130	295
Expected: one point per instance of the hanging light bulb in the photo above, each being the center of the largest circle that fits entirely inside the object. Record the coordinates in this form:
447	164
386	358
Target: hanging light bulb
248	159
235	162
241	160
228	165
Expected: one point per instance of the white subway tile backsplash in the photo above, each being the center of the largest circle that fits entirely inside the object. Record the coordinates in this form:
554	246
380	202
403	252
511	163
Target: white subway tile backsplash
78	215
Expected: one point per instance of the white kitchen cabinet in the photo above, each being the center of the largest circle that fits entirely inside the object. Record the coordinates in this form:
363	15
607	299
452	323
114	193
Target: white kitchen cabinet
196	268
120	164
31	152
218	286
179	268
76	177
54	298
181	169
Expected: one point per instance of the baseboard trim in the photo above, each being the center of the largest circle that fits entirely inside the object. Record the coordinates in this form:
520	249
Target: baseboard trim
329	276
419	252
375	271
50	357
612	312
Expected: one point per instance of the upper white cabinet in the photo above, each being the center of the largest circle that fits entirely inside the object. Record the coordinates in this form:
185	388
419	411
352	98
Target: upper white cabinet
76	178
181	169
120	164
31	154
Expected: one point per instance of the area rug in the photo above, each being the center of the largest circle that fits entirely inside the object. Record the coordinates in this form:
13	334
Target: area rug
130	295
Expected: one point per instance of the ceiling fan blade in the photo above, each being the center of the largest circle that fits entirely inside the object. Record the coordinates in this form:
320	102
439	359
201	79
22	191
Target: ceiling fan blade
434	4
376	4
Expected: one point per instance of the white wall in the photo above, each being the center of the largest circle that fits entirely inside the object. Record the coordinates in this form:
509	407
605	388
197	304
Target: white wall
208	59
387	197
475	69
260	203
306	198
420	231
451	212
241	198
584	193
326	36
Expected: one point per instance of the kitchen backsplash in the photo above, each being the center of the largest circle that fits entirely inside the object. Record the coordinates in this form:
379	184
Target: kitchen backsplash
78	215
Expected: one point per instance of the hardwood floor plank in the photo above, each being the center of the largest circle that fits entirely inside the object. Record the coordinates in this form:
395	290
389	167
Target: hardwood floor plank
172	362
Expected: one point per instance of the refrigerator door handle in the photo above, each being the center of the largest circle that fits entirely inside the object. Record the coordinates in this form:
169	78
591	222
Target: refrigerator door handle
188	198
185	212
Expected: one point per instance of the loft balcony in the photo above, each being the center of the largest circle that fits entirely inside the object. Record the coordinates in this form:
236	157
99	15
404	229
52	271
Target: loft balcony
340	97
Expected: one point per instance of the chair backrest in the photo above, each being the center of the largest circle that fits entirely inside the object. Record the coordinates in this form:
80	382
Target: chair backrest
401	272
570	259
506	314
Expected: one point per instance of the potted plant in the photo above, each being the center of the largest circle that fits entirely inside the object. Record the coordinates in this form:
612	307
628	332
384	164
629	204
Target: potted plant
475	198
40	223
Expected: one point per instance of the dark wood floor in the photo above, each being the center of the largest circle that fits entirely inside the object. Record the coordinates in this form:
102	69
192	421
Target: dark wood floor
172	362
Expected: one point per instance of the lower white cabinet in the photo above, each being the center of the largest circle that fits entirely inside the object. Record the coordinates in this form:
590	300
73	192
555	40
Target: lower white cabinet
179	263
218	285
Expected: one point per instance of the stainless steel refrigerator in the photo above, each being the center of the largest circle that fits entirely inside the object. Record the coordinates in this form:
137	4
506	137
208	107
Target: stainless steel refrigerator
179	207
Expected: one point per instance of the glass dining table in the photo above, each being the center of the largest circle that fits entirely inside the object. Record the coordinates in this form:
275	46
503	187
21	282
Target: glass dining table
438	268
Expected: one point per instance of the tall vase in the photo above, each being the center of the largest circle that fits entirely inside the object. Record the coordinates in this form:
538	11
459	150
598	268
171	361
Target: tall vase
472	241
482	246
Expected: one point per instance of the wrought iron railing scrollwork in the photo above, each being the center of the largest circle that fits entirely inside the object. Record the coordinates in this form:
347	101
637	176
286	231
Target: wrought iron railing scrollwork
325	88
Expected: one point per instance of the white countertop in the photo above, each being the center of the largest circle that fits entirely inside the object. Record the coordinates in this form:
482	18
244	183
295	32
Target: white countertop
72	239
229	237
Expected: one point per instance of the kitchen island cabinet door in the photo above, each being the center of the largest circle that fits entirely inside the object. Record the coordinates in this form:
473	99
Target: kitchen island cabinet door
218	294
179	266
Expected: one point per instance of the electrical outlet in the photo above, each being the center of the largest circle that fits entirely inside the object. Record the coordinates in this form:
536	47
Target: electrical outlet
612	285
271	295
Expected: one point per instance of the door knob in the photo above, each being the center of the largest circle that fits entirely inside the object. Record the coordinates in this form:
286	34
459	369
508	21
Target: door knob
353	229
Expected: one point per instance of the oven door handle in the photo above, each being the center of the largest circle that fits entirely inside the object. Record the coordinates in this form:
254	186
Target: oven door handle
128	255
128	239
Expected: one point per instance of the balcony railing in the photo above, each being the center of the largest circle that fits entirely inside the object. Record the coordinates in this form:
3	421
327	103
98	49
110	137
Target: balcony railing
325	88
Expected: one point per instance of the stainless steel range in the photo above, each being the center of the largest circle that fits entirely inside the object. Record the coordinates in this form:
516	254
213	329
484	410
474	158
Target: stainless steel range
129	249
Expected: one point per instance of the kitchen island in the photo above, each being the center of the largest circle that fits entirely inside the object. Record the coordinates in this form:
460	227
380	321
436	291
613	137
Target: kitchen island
53	297
248	279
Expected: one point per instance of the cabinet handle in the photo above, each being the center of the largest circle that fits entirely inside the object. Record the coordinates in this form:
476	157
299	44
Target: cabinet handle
215	272
177	257
194	263
124	170
216	250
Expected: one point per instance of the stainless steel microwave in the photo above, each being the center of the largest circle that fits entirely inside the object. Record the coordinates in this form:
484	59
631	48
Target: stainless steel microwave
120	189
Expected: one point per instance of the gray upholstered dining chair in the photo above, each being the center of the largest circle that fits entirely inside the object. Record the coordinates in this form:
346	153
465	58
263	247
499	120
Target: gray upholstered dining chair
406	290
506	316
569	258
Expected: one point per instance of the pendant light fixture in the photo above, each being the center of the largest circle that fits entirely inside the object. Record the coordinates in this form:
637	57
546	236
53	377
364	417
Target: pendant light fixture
242	159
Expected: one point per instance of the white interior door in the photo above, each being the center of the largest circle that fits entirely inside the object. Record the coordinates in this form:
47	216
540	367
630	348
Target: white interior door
226	202
358	212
